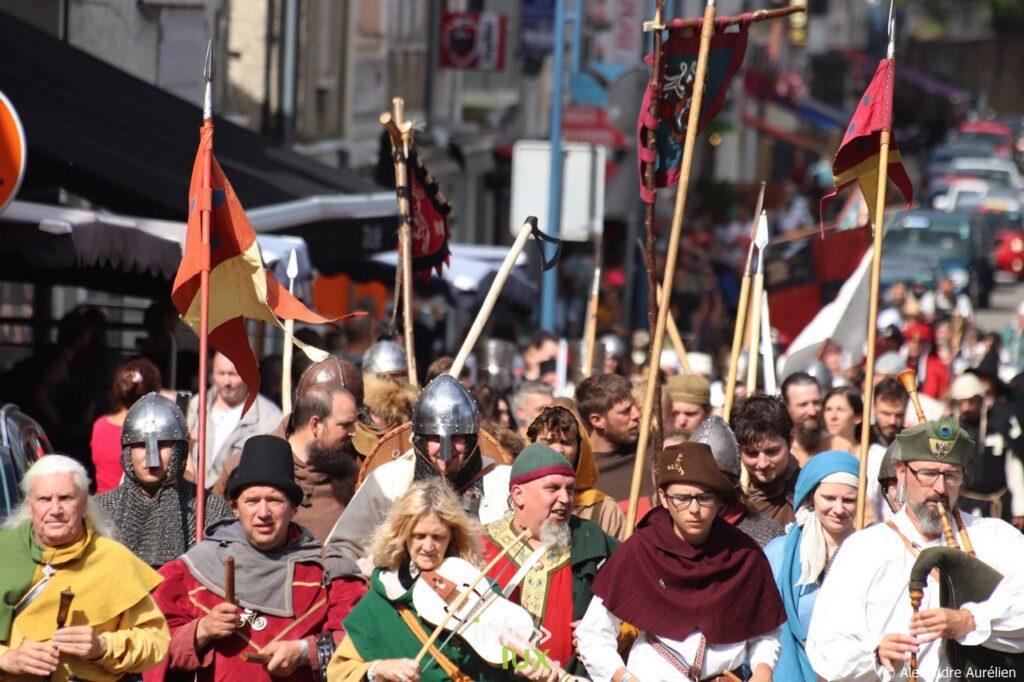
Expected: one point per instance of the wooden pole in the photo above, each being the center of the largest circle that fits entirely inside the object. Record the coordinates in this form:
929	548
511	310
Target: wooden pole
759	15
492	297
707	30
400	132
741	313
674	336
869	374
229	579
590	329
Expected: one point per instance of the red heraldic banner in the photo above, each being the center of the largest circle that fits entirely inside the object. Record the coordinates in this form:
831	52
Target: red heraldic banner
857	158
240	287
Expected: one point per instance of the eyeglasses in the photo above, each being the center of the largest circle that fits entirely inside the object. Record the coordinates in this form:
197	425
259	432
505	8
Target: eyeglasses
683	501
927	477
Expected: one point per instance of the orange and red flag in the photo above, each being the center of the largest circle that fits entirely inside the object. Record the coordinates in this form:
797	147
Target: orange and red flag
857	158
240	287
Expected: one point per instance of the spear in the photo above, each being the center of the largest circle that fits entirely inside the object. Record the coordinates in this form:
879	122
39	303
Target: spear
761	242
590	329
205	211
289	331
741	312
770	384
657	343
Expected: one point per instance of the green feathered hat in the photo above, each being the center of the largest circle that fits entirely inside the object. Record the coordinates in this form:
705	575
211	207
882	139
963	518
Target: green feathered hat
936	441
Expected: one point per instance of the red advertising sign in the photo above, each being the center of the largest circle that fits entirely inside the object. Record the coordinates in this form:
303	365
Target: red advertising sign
591	125
13	151
473	41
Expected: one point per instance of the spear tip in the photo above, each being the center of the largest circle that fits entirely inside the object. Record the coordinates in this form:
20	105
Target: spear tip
208	78
761	238
208	62
293	266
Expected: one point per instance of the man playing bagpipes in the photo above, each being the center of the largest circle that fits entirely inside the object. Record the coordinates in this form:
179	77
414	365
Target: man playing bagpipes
864	627
286	619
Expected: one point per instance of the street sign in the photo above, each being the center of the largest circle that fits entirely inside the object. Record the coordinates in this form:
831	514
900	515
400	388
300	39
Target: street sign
13	152
591	125
583	170
473	41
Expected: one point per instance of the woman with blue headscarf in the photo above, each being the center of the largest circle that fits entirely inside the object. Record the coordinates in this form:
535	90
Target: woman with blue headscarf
825	500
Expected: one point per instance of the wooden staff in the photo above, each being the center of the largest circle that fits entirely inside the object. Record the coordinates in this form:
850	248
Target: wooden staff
876	276
707	30
229	580
590	330
492	296
457	603
754	348
759	15
741	312
289	333
400	132
674	336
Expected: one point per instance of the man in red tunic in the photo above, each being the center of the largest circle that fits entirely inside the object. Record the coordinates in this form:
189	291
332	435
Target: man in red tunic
289	599
551	574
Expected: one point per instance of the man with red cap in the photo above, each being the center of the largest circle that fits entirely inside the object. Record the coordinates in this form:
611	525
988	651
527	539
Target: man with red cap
550	574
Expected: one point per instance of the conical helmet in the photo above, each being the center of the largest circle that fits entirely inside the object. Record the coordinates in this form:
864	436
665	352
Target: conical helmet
153	418
887	469
717	435
385	357
445	408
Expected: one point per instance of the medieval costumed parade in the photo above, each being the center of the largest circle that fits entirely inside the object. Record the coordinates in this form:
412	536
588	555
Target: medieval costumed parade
550	340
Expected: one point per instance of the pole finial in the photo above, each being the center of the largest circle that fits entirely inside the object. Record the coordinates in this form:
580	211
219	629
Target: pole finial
208	79
293	266
891	26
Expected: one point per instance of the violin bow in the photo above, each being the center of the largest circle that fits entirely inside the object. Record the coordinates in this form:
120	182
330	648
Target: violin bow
464	595
482	603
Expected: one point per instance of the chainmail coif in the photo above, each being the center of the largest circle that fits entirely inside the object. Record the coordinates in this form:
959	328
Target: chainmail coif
160	528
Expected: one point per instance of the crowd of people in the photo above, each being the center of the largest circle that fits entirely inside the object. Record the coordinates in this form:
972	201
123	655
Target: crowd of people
464	532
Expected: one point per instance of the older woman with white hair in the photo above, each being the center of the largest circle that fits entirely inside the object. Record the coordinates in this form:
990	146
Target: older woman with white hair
824	501
74	603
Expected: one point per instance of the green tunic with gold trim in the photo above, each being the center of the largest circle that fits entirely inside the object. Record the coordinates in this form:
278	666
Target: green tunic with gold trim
557	589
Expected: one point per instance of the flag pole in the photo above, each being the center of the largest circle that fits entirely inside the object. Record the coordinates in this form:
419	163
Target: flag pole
400	132
205	209
876	276
741	312
706	32
289	332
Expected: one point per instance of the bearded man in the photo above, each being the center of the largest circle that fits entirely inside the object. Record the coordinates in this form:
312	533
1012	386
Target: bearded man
445	422
802	395
863	626
154	508
551	574
610	413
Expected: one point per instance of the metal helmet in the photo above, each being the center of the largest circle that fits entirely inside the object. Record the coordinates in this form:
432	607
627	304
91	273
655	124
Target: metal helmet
820	372
333	372
717	435
614	346
151	419
577	358
445	408
495	361
887	469
385	357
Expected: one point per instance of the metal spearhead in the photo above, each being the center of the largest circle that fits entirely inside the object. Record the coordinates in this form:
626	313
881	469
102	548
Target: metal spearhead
208	78
292	270
761	240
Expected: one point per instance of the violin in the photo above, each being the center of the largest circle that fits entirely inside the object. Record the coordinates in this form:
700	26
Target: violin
453	595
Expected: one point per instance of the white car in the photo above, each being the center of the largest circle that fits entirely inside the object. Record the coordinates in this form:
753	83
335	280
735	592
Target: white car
1002	171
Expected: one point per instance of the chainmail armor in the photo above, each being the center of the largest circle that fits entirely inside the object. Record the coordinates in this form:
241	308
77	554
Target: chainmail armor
761	528
160	528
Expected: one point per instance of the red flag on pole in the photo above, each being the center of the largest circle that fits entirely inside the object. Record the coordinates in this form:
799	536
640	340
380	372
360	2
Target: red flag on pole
240	287
857	158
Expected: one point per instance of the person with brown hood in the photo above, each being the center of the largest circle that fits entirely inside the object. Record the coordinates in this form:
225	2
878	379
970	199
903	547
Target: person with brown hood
561	428
700	591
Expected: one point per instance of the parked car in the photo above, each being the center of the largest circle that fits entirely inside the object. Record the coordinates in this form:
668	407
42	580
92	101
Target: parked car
22	442
961	245
998	134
